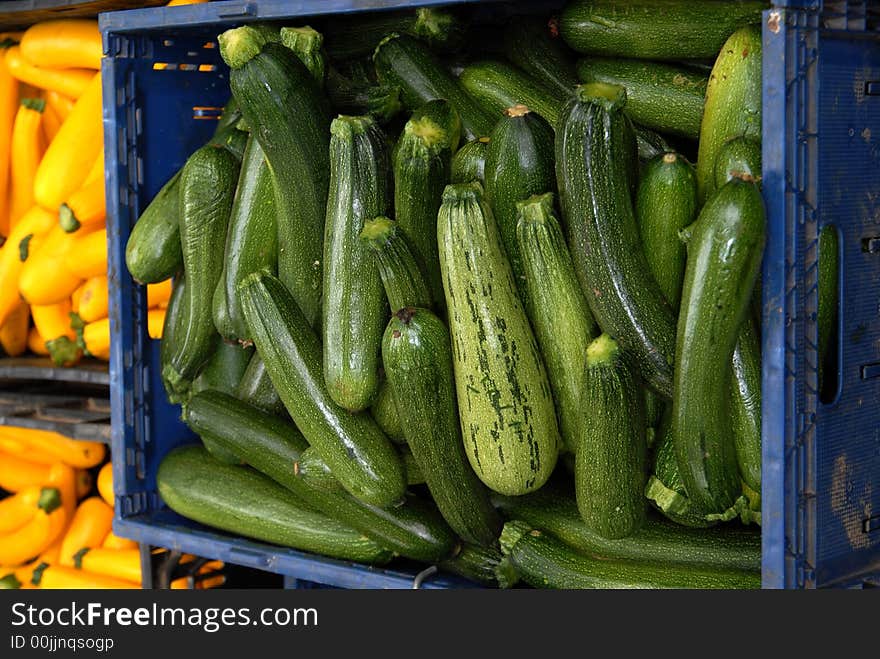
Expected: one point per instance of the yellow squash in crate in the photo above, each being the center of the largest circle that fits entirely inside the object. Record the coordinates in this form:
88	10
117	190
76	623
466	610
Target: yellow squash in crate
93	302
36	222
63	44
88	528
27	149
70	82
14	332
74	452
122	564
45	279
63	577
85	209
38	533
8	107
87	256
105	484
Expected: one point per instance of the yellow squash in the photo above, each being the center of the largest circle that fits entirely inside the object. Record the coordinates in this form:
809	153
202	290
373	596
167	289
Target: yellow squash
63	44
44	278
60	104
18	509
93	300
27	149
105	484
85	209
38	533
90	525
74	452
14	331
36	344
122	564
54	577
87	255
8	108
113	541
70	82
159	294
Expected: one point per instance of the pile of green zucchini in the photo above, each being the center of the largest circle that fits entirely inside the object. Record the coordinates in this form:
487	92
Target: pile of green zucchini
455	293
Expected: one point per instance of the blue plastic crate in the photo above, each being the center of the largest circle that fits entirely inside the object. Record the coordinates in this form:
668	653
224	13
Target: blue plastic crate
821	490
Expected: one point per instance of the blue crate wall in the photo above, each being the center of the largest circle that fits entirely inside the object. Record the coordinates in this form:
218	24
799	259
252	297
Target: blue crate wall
821	167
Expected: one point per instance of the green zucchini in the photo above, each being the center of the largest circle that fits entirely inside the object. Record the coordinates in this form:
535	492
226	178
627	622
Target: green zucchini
654	29
250	241
358	34
357	97
418	363
543	561
469	162
649	144
355	306
666	202
746	403
257	389
519	164
244	502
289	115
665	490
384	412
172	332
480	565
359	454
414	475
725	246
312	468
225	368
828	311
556	307
233	140
497	86
733	103
594	151
403	281
152	253
506	407
207	186
308	45
740	156
529	44
661	96
404	62
553	509
422	166
611	452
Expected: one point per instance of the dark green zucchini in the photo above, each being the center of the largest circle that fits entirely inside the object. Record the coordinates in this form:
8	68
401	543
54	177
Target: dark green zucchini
405	286
543	561
356	35
359	454
250	240
738	157
172	331
289	115
224	369
384	411
308	45
725	246
469	162
553	509
666	202
595	147
247	503
649	144
422	166
557	308
152	253
661	96
414	475
733	103
355	305
403	62
530	45
504	399
358	97
207	186
497	86
418	363
746	403
257	389
480	565
611	453
519	164
654	29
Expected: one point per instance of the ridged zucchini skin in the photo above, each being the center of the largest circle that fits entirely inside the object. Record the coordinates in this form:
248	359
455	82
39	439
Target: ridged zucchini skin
404	62
256	388
528	43
725	247
497	86
556	307
418	362
737	157
746	403
251	240
404	284
553	509
244	502
661	96
422	169
172	330
384	412
542	561
469	162
414	529
358	35
359	454
207	185
225	368
308	45
594	151
654	29
666	203
505	404
355	306
289	115
519	164
733	103
611	453
152	253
